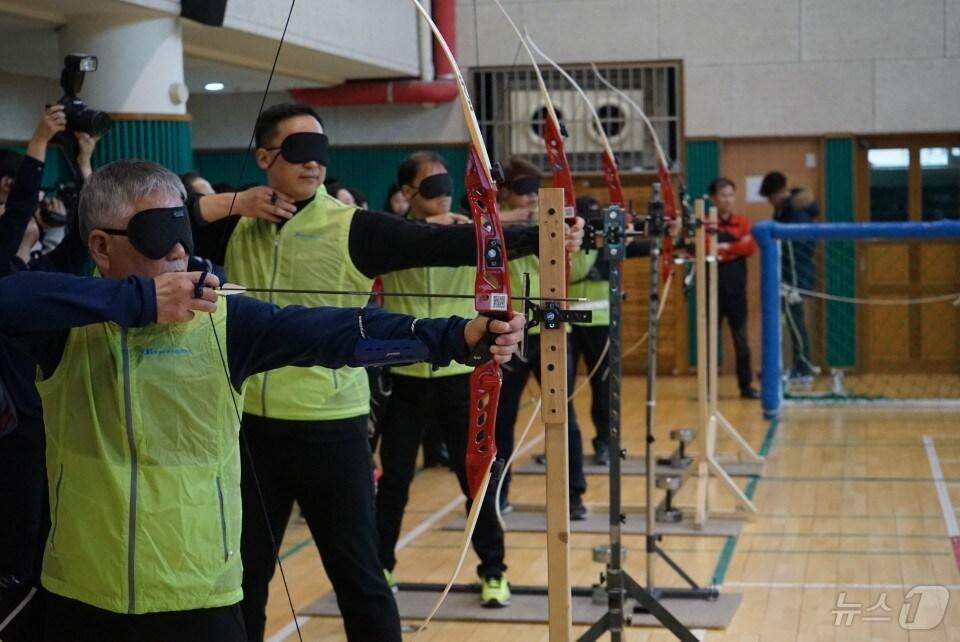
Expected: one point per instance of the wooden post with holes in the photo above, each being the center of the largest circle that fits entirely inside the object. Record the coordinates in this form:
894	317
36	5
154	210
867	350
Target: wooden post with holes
703	402
553	384
707	351
717	419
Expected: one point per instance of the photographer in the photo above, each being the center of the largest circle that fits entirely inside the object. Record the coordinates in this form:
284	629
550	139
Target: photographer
27	219
58	208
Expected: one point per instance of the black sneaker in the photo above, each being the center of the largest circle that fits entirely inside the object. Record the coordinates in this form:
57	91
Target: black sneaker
505	506
601	452
749	393
578	510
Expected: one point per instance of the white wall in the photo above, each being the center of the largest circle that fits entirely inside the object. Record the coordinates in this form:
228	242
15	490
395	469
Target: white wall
381	33
751	67
758	67
226	122
22	100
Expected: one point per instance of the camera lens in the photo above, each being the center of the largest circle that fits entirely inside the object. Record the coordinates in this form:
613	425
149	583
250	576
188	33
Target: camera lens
93	122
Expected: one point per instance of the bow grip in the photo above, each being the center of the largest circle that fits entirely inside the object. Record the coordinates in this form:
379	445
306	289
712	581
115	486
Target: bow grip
485	382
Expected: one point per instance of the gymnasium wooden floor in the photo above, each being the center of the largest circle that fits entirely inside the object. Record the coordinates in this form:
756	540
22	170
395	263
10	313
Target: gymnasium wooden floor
848	502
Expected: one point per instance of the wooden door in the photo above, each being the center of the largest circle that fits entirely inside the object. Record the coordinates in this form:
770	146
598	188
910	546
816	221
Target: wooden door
911	178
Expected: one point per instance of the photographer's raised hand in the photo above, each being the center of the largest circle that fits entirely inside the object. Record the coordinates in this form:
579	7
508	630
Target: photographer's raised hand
30	238
86	144
53	120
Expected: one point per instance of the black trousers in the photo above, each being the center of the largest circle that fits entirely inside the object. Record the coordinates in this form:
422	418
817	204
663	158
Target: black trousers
589	342
799	338
24	524
327	468
732	304
72	621
415	406
515	376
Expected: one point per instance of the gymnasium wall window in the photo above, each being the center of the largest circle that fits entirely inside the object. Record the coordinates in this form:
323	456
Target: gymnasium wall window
889	184
940	178
511	112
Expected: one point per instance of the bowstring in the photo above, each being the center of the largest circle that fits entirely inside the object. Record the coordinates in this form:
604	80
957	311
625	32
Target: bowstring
223	361
256	480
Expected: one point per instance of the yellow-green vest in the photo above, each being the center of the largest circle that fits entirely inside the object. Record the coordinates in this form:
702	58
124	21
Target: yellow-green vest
529	265
435	280
143	462
310	251
583	288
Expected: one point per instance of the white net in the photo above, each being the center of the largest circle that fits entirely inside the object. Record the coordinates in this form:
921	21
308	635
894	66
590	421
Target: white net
870	320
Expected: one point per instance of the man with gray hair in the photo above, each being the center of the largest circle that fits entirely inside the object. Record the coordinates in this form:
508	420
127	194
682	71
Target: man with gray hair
142	373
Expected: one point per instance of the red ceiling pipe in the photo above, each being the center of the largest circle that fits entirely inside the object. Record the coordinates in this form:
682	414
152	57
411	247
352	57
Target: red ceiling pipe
445	15
385	92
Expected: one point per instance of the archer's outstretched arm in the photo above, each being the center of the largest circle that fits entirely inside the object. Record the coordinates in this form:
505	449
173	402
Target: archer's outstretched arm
262	336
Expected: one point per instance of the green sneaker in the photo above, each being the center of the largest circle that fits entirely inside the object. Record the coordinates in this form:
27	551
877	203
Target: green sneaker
494	592
391	581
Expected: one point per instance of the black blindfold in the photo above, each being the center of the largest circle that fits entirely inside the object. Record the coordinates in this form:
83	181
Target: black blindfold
525	185
436	185
304	147
155	232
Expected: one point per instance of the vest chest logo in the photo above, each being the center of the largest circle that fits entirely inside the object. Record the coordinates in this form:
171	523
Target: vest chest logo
305	236
166	351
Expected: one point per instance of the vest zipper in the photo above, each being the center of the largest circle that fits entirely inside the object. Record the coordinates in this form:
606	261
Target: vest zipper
223	521
273	284
56	510
429	311
131	442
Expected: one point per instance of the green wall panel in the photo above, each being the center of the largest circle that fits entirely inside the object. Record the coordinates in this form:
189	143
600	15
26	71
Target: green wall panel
370	169
167	142
840	256
703	165
228	167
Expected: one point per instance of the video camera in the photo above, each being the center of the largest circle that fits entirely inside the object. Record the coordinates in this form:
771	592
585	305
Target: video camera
80	118
69	194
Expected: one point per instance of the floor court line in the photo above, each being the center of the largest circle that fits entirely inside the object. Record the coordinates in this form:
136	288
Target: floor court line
289	629
943	494
829	585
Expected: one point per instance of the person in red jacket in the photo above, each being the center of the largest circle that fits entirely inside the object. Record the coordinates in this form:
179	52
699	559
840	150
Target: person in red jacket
734	245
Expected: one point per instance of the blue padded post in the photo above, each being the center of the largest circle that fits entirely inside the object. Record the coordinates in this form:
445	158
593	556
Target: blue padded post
768	234
845	231
770	393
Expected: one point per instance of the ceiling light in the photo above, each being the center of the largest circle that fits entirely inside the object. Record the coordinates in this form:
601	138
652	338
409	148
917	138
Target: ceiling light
214	86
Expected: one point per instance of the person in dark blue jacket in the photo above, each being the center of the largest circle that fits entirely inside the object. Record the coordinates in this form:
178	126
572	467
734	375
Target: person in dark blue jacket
794	205
137	231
